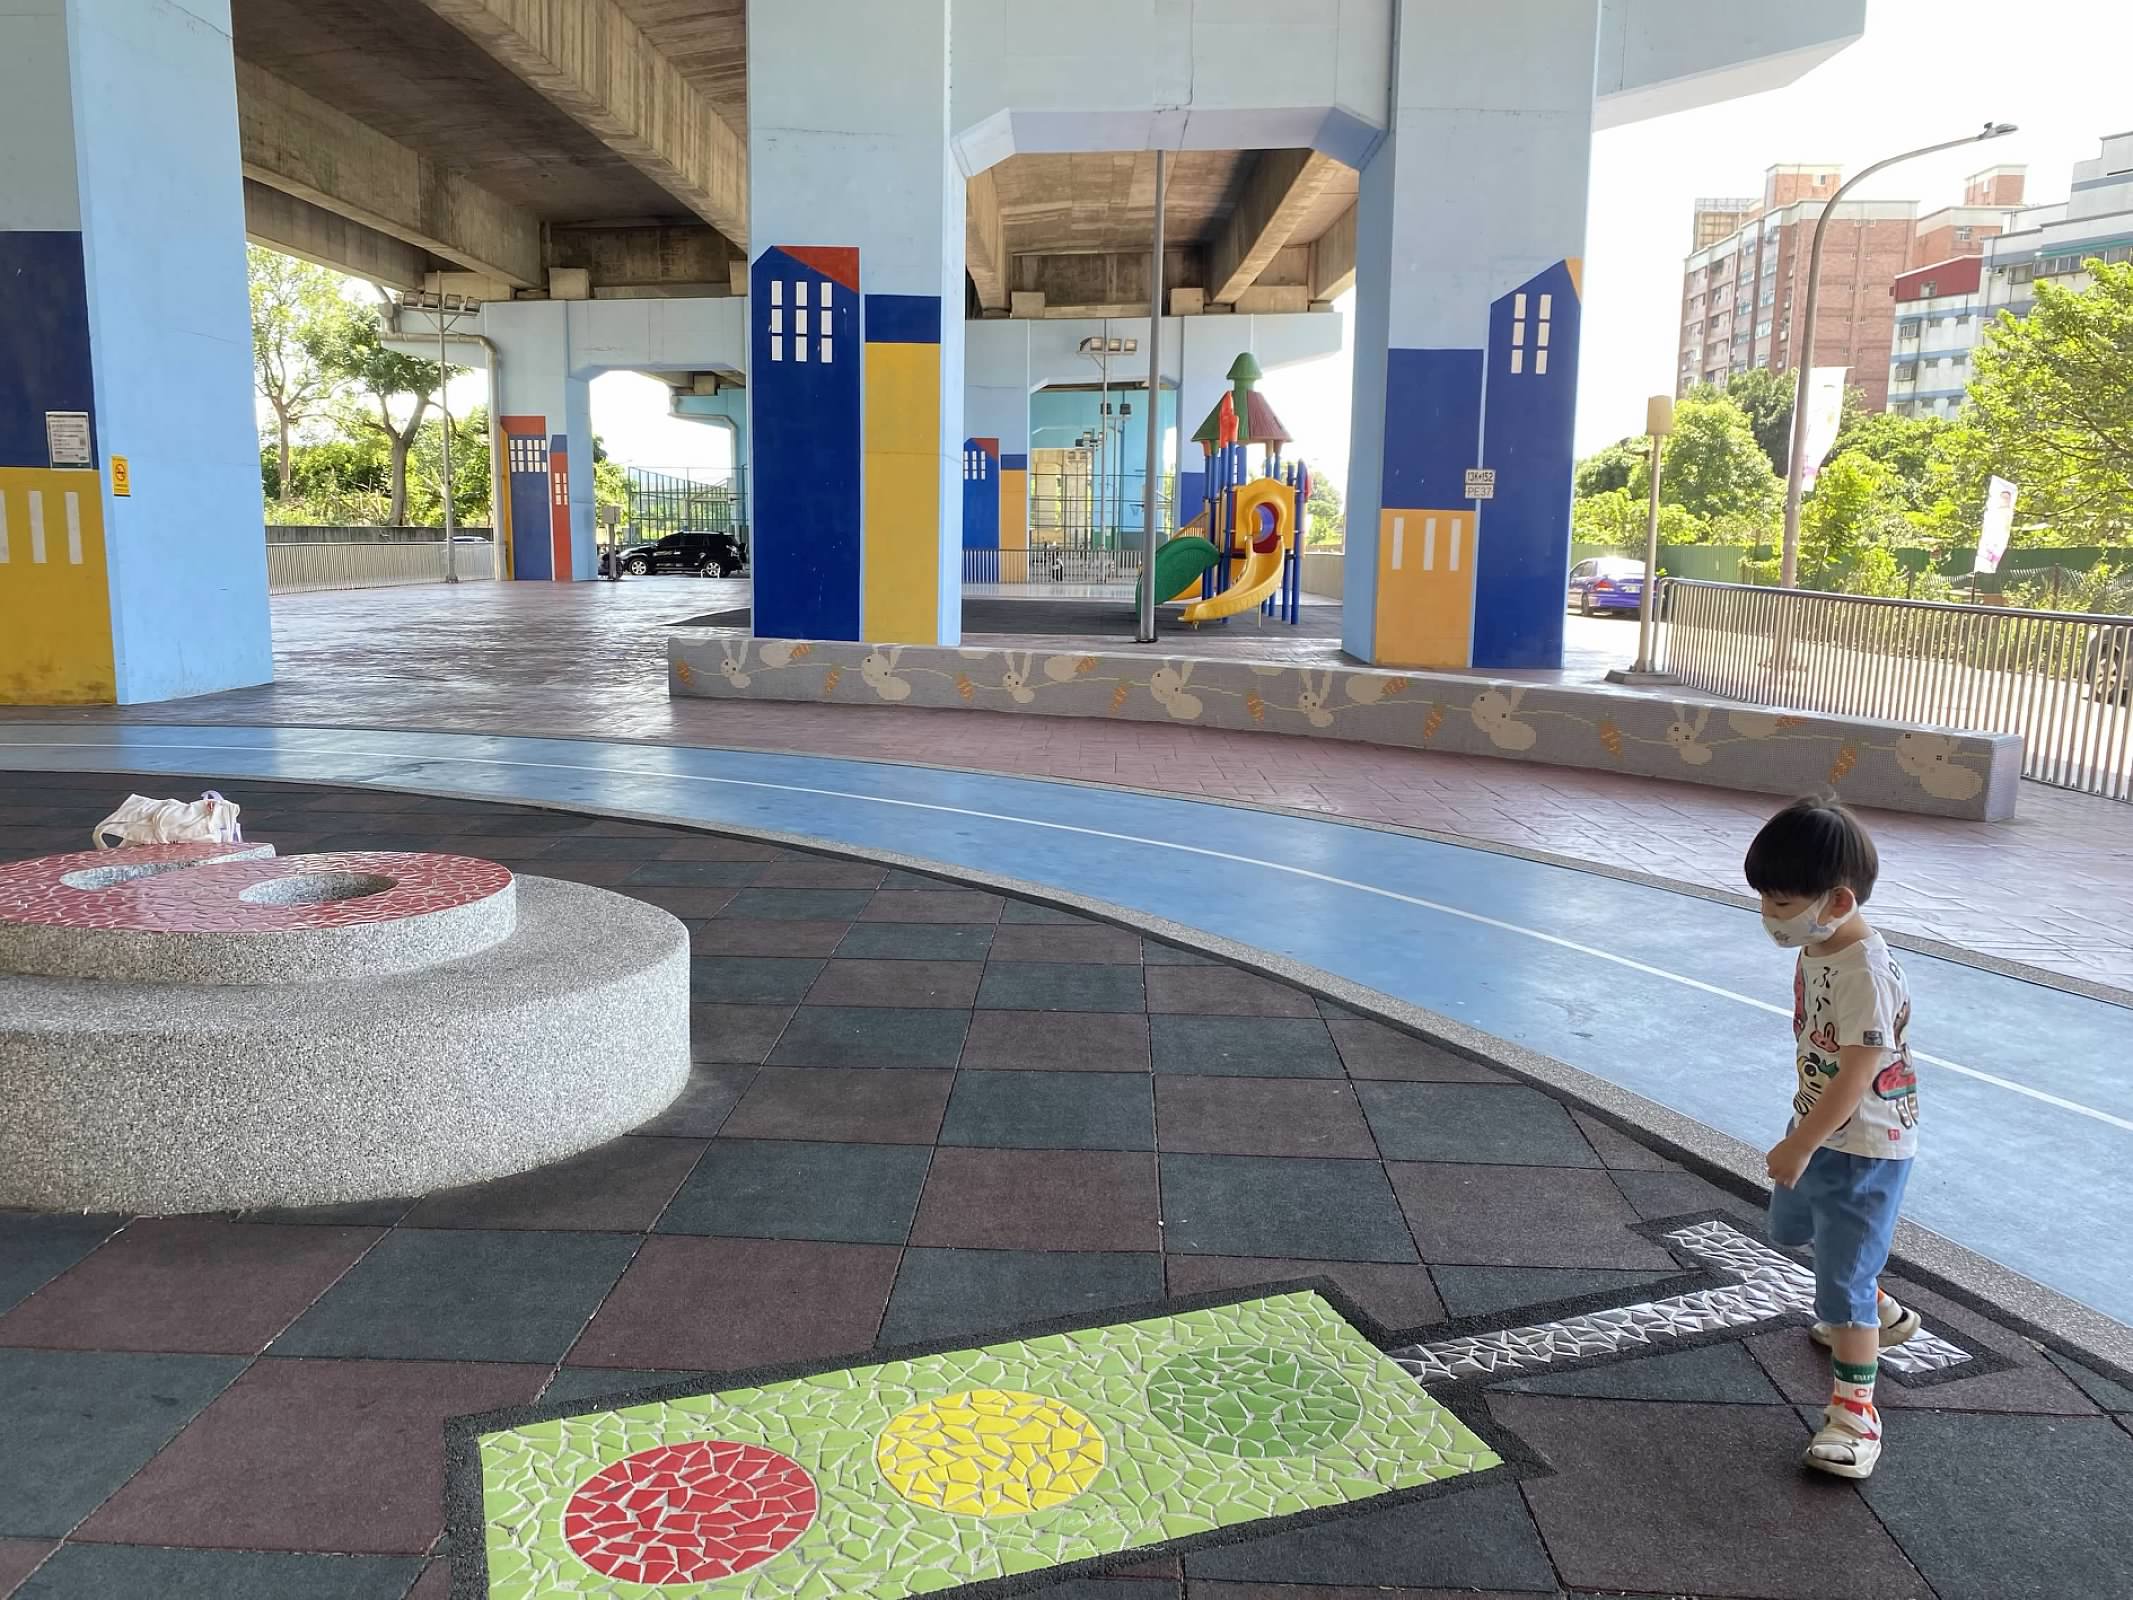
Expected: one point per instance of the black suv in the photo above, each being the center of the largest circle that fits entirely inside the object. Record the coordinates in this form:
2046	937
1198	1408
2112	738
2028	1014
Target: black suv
712	555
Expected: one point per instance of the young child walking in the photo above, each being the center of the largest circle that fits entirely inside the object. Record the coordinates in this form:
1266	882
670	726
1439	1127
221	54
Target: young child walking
1838	1174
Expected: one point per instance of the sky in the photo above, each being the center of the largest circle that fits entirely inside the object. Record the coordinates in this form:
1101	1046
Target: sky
1922	72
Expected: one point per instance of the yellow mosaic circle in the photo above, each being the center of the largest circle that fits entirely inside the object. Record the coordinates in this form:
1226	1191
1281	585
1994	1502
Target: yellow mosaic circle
990	1453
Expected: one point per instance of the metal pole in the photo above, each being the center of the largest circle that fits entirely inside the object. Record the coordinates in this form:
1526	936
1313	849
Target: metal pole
1651	567
1100	501
1802	346
1145	632
444	408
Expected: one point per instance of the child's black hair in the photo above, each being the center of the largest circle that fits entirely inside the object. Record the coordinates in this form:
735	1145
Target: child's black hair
1811	847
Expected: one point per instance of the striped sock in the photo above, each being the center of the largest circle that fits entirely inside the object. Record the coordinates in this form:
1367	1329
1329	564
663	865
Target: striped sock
1854	1392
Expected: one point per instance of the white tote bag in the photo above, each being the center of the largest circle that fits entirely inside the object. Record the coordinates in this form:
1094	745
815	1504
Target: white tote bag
207	820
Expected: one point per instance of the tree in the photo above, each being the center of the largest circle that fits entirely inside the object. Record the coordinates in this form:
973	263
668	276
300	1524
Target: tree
1325	522
297	310
388	381
1765	398
1614	519
2053	409
1906	446
1715	471
470	470
1854	507
1611	468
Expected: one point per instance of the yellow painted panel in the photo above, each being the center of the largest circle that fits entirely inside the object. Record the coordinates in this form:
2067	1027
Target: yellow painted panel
901	513
1425	600
55	591
1014	525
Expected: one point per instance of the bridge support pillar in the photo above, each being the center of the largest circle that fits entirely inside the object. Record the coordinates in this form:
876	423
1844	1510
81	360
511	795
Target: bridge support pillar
1469	232
855	370
132	558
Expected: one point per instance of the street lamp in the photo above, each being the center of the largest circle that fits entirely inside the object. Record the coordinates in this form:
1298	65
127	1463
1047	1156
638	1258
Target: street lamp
1658	423
448	309
1803	344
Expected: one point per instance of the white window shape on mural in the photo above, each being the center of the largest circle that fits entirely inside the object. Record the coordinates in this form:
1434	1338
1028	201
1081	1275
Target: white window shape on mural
1545	316
823	322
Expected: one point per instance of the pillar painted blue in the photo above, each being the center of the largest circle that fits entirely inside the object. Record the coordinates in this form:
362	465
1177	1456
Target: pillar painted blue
134	570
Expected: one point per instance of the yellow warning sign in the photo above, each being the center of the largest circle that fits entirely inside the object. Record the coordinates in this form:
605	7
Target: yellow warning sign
121	476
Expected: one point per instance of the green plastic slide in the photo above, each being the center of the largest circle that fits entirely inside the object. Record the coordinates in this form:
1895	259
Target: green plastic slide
1178	565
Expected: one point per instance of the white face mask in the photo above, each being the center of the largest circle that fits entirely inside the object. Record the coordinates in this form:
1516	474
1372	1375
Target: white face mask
1806	927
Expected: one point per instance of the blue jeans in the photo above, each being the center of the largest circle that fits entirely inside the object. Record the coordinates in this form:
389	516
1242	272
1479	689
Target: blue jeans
1845	1206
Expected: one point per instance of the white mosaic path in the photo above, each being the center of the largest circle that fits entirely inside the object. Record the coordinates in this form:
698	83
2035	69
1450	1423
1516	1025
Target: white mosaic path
1770	1285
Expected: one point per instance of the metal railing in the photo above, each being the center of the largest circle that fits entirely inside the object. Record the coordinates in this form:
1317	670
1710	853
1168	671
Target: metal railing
349	562
2062	680
1053	563
666	502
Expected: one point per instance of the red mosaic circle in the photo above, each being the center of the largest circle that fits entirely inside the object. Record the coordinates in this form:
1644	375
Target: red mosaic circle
91	889
688	1513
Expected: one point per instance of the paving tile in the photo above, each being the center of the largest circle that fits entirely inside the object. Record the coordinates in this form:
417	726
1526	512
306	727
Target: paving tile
695	874
1091	943
343	1214
1520	1217
136	1572
735	1035
590	846
1264	1206
1029	913
821	872
1034	1041
1255	1047
736	936
17	1558
1617	1150
1398	1297
192	1285
788	1189
1260	1117
897	983
1995	1506
893	1107
942	1294
1479	1538
917	941
871	1036
435	1295
1223	991
715	847
1717	1503
313	1455
939	904
1486	1291
715	1305
1479	1122
596	1383
901	878
617	1187
2106	1392
1715	1374
1372	1050
1050	1111
1039	1200
434	1584
798	905
1655	1195
1154	953
80	1423
1060	986
519	821
688	904
751	980
35	1249
1109	1587
1203	1590
703	1105
597	874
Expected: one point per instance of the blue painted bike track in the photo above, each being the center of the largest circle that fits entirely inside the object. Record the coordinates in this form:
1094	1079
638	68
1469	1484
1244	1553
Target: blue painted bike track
2026	1097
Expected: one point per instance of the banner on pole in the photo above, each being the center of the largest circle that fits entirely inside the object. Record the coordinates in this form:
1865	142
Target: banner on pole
1825	413
1998	524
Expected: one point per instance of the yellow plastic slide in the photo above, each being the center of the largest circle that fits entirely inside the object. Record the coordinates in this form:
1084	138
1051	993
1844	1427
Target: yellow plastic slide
1262	570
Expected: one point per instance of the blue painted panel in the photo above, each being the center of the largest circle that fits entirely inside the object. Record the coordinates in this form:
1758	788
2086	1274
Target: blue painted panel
903	319
1432	426
1014	463
44	341
981	495
1524	555
804	415
1192	495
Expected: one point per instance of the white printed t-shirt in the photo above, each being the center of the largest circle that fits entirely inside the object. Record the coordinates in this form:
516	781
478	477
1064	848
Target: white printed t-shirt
1857	996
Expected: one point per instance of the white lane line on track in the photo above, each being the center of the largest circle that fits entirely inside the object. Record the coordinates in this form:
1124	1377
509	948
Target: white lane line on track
1438	906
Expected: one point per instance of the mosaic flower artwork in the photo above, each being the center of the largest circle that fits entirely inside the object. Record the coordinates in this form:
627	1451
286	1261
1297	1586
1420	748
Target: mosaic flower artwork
912	1476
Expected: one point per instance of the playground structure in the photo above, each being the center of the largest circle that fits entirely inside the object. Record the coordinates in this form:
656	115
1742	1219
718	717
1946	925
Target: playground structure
1245	548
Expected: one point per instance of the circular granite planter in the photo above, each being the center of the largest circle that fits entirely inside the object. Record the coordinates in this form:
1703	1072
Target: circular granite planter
132	1096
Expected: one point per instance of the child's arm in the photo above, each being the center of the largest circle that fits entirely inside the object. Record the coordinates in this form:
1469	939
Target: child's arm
1856	1066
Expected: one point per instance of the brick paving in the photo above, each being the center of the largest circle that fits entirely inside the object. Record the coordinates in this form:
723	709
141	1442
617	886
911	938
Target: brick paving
922	1112
2053	888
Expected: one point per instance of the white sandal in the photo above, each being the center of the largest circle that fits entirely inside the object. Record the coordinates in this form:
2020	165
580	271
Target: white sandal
1840	1448
1901	1328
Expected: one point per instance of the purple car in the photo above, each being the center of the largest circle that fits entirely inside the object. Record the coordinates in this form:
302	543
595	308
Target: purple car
1607	583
